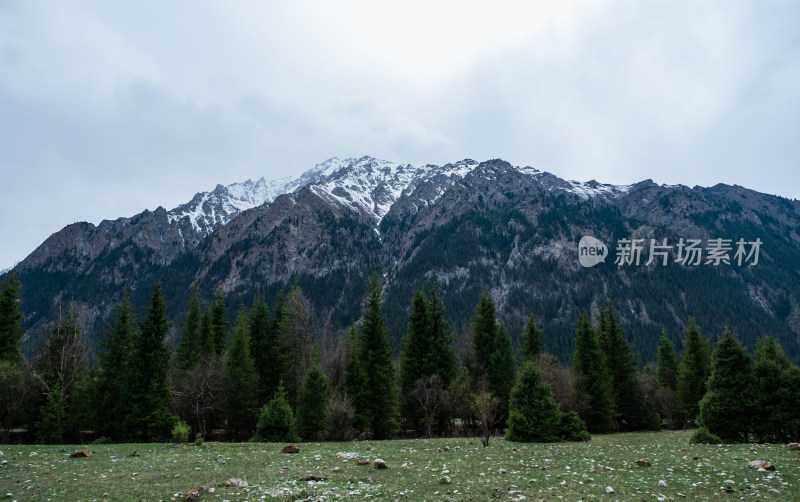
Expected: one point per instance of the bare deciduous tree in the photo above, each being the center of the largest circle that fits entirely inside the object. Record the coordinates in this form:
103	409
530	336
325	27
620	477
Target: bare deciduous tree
432	398
197	394
486	407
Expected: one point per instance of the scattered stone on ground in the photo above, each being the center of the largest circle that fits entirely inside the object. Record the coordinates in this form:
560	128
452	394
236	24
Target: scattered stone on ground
792	446
236	483
643	463
292	448
362	462
380	464
761	464
662	483
81	453
445	480
337	469
192	495
609	489
136	454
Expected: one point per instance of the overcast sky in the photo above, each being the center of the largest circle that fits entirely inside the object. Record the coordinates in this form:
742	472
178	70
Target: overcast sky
109	108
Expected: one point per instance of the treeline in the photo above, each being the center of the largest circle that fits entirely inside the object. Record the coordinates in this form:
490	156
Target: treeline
273	377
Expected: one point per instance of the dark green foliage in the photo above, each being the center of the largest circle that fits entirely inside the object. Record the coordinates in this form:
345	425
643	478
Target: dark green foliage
11	330
53	424
667	362
767	421
113	358
145	392
572	428
788	412
219	322
207	343
378	406
355	384
632	410
533	414
312	405
189	346
18	392
592	381
532	339
726	408
768	349
694	371
426	350
703	436
265	341
493	358
240	381
276	422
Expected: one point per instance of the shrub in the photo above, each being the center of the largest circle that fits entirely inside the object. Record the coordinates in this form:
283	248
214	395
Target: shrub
573	428
102	440
704	436
276	422
180	432
341	414
199	439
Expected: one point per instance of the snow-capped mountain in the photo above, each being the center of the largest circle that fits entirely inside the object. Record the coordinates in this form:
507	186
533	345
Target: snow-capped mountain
467	226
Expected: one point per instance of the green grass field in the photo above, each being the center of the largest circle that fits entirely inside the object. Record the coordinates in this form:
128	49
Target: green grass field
504	470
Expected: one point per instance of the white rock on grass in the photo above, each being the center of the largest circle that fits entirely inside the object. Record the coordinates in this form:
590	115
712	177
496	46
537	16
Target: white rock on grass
609	489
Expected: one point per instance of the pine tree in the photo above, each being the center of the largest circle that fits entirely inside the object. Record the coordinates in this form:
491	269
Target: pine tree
533	414
492	354
11	330
113	358
767	423
788	412
276	421
189	346
592	381
219	322
207	343
532	339
667	362
768	349
312	406
356	384
694	371
632	410
145	393
265	349
240	379
426	351
726	408
373	351
54	421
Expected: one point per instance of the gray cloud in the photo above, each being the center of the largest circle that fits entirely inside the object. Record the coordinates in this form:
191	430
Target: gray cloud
109	108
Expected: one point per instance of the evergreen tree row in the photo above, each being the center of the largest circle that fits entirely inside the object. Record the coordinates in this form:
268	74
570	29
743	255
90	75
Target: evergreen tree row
277	375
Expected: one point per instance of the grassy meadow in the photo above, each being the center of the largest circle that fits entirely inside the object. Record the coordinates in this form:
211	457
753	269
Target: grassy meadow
504	471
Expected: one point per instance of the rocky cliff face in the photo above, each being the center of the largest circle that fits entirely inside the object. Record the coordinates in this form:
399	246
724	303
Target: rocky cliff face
466	226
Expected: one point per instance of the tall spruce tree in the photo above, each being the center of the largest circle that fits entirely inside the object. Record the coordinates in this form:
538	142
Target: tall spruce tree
240	379
533	414
532	340
113	359
667	362
219	322
145	392
493	359
726	408
694	371
426	351
372	349
189	346
312	406
207	343
264	348
11	330
592	381
632	410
